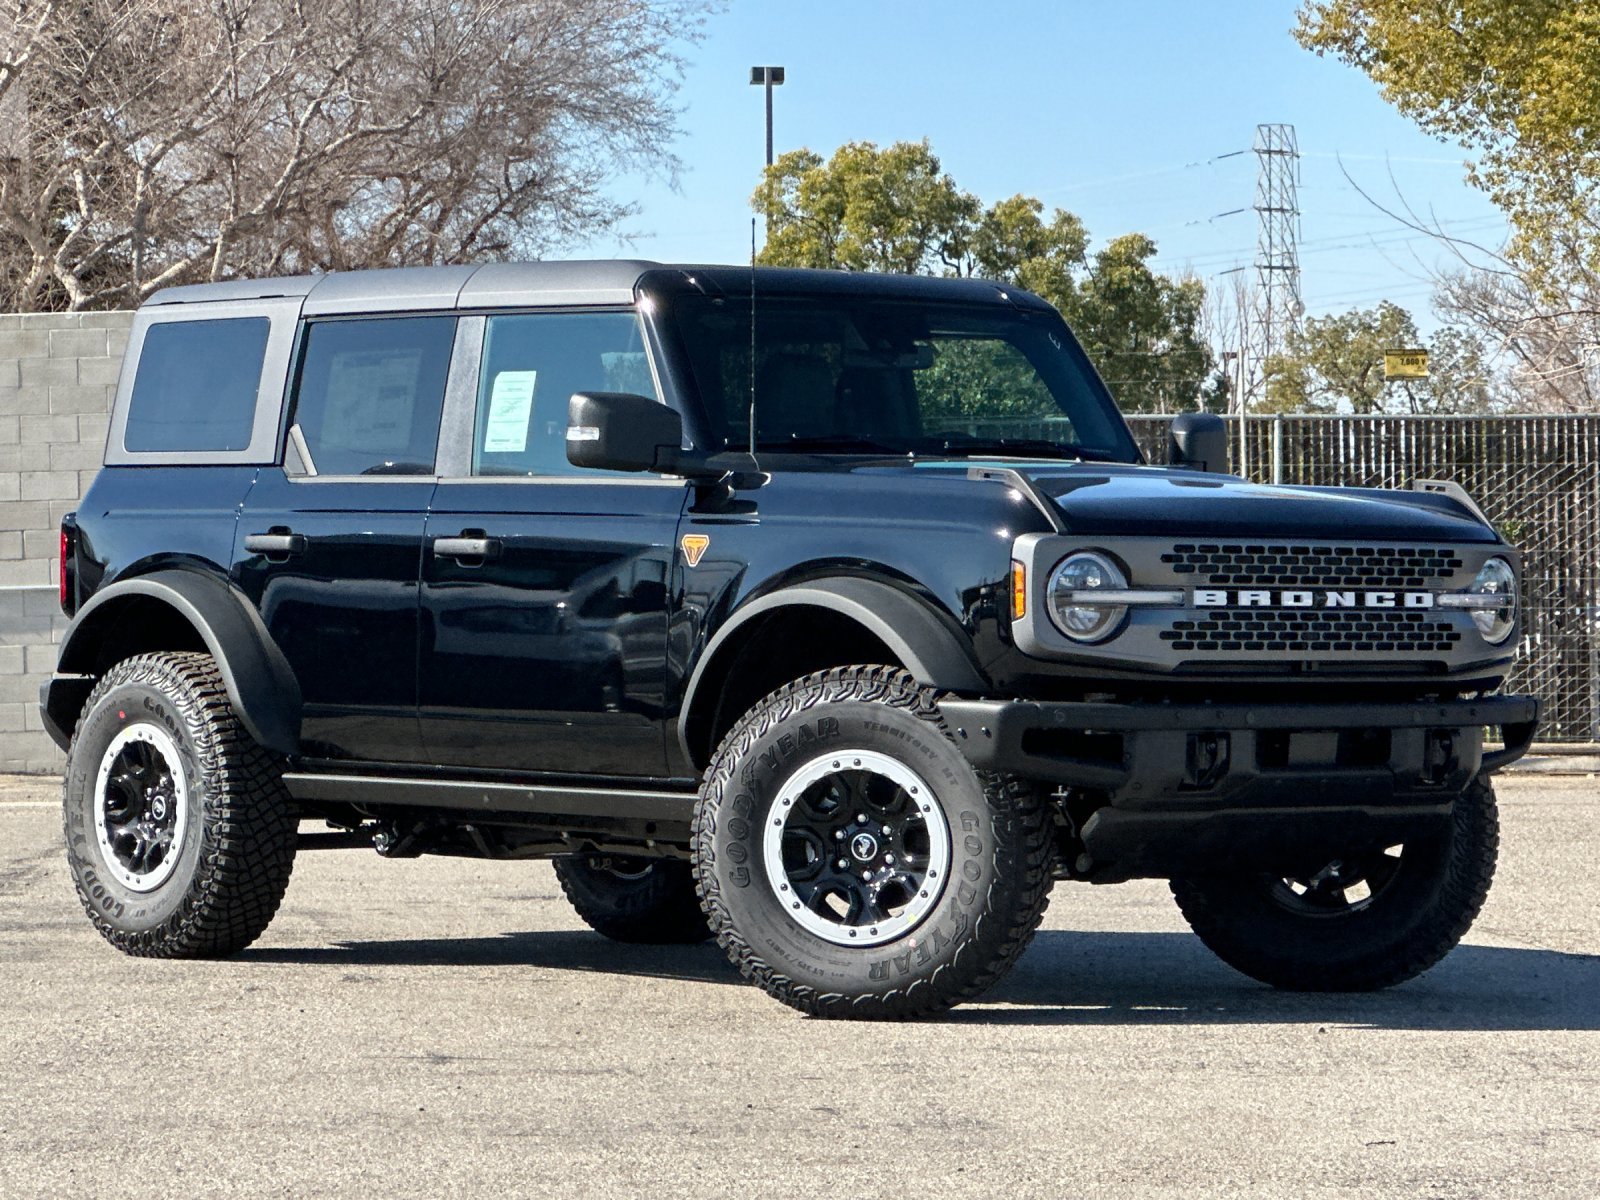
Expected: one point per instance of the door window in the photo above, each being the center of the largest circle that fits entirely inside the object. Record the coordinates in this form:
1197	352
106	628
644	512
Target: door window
532	364
370	394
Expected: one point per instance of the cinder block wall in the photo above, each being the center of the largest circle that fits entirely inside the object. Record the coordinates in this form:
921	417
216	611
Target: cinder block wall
58	372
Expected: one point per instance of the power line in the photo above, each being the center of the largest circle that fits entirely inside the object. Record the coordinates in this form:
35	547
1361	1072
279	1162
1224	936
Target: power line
1277	262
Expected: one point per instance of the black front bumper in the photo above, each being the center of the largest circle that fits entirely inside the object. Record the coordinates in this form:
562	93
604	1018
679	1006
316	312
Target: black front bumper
1183	787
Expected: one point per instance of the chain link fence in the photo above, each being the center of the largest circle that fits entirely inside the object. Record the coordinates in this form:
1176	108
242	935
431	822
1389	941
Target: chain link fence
1537	479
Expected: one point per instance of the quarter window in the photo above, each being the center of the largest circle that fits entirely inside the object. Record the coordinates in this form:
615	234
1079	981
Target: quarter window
371	391
532	363
196	385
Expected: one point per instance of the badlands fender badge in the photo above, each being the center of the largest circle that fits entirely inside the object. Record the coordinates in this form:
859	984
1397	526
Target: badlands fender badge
694	547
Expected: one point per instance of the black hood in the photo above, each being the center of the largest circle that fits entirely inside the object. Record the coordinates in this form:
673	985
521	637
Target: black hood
1109	500
1156	502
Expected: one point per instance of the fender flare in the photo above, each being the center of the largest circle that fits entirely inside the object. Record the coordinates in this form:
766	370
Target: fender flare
261	685
927	641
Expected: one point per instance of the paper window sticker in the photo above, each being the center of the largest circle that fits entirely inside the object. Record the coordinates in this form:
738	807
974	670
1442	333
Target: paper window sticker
510	402
371	394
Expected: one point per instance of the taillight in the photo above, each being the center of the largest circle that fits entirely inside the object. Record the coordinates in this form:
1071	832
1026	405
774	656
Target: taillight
64	571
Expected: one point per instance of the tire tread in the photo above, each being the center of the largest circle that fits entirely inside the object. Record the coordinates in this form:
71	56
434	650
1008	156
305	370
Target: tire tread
1007	916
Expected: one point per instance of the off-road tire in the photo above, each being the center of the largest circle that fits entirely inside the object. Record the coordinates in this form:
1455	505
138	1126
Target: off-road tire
999	877
657	906
1408	927
235	859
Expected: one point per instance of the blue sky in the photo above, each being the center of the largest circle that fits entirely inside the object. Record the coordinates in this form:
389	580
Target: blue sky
1117	111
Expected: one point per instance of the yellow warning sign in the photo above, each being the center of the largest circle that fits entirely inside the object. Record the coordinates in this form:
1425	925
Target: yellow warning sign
1405	364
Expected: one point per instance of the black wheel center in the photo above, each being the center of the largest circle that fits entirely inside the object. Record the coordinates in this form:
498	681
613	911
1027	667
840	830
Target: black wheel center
858	849
1341	886
140	813
864	847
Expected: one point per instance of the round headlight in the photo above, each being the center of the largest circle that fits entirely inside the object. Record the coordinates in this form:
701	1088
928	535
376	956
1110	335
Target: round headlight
1075	615
1496	578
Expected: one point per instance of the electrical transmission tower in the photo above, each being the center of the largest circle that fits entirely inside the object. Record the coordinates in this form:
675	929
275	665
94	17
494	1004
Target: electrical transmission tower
1278	306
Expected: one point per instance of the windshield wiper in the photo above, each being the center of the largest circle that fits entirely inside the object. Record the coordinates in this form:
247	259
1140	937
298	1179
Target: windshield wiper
829	443
1027	446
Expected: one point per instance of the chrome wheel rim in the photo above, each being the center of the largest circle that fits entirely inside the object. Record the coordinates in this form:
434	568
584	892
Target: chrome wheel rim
141	809
856	848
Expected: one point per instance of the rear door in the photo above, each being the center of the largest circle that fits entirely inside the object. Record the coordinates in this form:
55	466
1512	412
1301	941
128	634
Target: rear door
544	595
329	545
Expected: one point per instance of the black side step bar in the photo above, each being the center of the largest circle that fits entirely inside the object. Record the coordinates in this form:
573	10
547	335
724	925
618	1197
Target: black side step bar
552	803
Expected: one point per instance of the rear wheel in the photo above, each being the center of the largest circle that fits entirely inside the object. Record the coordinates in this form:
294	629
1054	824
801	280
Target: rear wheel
180	836
649	900
853	863
1361	922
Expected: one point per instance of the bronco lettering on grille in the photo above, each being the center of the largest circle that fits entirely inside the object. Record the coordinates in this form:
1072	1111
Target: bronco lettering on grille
1308	598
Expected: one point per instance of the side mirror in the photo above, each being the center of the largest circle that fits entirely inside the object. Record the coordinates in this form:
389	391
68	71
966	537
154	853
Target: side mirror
618	431
1198	441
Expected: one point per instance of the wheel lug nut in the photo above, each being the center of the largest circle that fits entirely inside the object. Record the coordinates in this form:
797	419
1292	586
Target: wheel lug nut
843	864
886	831
888	859
866	874
861	818
838	835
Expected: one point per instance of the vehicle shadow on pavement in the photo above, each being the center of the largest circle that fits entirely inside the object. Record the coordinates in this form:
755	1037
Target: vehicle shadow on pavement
1081	978
561	950
1073	978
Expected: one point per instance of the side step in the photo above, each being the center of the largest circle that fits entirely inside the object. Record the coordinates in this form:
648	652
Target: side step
540	804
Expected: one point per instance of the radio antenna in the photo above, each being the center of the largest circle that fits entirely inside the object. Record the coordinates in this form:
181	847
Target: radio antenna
752	337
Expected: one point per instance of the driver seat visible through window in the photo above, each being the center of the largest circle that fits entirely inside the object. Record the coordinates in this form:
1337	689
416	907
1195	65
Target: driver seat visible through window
794	398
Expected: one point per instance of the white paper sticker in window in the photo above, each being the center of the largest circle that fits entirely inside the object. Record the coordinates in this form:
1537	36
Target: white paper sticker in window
510	402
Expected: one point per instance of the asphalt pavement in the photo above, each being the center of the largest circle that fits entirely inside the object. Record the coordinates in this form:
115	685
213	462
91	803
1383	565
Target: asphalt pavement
447	1027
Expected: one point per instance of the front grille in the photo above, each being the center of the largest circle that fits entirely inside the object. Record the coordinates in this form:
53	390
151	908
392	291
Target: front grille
1240	564
1302	630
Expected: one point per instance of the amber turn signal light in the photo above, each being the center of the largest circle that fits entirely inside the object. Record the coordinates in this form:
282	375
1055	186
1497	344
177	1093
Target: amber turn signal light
1019	590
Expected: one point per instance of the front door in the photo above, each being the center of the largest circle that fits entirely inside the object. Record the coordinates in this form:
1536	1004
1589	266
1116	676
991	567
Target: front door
544	594
331	550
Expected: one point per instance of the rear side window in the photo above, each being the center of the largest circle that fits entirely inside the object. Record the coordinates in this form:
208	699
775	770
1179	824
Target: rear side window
196	385
370	394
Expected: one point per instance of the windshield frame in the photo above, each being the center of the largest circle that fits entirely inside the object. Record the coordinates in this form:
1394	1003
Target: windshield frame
659	296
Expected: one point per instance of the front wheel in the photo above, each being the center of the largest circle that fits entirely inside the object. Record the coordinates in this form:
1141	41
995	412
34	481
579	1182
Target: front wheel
853	864
1359	923
646	900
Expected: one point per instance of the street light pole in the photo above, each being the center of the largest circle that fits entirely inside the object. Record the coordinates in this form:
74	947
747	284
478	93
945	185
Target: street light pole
768	77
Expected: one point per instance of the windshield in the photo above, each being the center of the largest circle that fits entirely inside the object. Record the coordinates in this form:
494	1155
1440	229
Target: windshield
837	375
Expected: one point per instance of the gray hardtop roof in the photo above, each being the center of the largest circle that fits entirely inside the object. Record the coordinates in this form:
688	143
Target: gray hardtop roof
575	282
399	289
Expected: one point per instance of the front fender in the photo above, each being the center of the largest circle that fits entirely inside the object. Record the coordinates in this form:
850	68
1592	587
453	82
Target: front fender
260	684
927	641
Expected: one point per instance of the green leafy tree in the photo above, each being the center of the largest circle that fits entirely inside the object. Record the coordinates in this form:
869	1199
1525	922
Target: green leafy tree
865	209
1142	328
1335	364
1515	81
895	209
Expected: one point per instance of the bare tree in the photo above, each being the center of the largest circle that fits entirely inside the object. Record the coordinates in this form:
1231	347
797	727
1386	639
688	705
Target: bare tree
1549	349
163	141
1540	327
1224	328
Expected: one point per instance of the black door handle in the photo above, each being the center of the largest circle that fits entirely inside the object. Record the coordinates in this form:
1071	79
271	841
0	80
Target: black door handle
466	546
275	543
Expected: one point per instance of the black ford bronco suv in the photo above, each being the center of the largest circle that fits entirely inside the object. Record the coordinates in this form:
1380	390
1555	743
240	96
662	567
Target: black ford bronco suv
833	615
